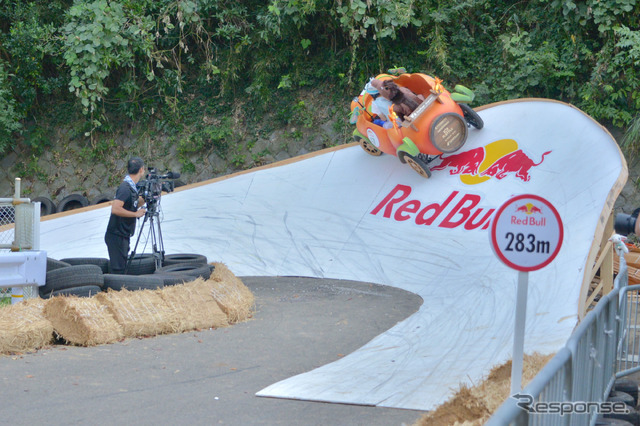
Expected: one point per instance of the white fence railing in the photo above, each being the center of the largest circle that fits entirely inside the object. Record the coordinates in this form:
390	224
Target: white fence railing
571	388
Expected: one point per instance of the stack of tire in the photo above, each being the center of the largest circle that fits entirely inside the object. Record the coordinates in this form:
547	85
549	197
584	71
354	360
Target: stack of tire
624	394
70	202
86	276
82	279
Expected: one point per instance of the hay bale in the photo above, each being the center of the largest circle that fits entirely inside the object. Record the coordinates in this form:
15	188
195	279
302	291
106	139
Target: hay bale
233	297
82	320
141	312
23	327
196	309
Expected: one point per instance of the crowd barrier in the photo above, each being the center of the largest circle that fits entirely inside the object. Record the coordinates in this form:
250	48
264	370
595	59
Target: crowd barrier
572	389
21	265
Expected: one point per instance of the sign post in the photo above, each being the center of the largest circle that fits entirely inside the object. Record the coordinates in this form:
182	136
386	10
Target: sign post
526	235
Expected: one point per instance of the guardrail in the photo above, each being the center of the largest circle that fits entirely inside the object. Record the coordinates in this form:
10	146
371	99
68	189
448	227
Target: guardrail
571	388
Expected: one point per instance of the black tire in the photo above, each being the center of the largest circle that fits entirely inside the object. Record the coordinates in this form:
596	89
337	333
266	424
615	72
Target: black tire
83	291
142	264
471	117
193	270
102	198
46	205
627	386
133	282
367	146
98	261
418	165
174	259
71	202
632	416
53	264
621	419
72	276
175	279
617	396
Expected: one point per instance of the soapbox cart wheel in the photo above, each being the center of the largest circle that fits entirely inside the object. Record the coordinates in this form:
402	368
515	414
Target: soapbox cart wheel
416	164
471	116
368	147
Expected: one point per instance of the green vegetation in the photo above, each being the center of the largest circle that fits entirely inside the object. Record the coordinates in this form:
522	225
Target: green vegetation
97	65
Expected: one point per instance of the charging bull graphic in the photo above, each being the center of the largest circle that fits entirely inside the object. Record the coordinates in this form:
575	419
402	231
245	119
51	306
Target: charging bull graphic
528	209
498	160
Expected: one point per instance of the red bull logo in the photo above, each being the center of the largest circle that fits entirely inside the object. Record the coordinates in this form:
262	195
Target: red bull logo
528	220
498	160
528	209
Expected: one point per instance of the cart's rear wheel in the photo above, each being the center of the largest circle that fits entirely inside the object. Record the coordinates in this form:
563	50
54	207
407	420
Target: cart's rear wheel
368	147
418	165
471	116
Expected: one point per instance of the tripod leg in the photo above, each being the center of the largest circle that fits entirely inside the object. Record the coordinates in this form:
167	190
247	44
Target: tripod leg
160	251
157	255
133	253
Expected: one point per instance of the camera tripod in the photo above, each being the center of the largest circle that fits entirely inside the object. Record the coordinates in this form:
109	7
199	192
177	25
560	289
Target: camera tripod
154	234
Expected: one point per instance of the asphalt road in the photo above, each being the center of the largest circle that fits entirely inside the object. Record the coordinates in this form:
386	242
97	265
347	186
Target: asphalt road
210	377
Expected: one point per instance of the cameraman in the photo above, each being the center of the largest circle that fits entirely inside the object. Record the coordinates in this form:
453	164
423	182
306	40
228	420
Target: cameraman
124	212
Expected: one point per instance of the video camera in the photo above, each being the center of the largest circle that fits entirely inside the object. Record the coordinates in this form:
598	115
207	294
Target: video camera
150	188
627	223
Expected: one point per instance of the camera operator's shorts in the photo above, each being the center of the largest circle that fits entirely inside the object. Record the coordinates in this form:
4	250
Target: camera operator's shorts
118	247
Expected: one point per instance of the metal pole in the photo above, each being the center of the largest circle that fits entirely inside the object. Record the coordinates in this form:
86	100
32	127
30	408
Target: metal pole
17	293
518	332
16	194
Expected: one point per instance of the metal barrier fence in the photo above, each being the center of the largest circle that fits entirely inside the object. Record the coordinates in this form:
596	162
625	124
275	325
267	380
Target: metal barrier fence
19	230
571	388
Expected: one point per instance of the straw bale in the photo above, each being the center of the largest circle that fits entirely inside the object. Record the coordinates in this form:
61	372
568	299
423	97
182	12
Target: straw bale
472	406
233	297
23	327
82	320
196	309
140	312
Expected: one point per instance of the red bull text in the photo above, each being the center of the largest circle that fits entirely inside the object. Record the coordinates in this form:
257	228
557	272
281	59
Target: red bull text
456	210
528	221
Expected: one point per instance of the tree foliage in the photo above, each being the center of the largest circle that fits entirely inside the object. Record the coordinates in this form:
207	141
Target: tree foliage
130	58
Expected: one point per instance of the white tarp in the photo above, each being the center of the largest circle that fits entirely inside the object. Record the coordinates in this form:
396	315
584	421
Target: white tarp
345	214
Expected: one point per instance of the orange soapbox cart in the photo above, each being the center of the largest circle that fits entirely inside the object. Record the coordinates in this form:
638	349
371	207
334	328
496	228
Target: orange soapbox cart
440	124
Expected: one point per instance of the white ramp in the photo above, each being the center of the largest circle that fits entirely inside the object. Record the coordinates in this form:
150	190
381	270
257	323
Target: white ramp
345	214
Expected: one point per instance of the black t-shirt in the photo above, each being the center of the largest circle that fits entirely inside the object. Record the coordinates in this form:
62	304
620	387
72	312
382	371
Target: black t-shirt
124	226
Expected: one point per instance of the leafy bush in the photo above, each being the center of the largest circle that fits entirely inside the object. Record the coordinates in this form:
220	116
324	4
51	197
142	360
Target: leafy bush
148	59
9	118
100	37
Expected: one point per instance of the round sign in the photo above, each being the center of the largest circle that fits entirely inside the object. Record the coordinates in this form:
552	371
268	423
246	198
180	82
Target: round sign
526	233
373	138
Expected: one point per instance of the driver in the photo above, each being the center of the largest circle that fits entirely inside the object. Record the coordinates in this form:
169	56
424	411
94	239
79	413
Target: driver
124	212
380	105
403	99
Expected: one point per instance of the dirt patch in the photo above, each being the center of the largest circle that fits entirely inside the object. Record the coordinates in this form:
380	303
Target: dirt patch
473	406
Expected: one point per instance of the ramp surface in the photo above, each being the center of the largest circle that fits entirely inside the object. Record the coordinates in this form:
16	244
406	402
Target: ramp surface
344	214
